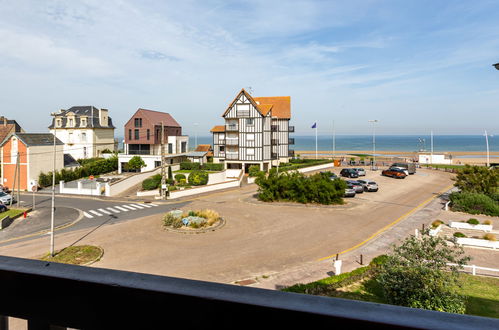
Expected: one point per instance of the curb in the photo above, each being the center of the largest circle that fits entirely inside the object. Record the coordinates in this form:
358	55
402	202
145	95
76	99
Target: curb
96	259
201	231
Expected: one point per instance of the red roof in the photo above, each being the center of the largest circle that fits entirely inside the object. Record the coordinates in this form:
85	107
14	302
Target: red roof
157	117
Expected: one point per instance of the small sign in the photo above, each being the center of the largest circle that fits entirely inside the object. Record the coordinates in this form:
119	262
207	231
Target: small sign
164	186
91	177
34	188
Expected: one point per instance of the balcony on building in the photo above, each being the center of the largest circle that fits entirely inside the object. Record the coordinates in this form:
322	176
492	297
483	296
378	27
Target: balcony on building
232	127
274	141
232	141
231	155
53	295
274	128
273	155
140	149
291	129
291	141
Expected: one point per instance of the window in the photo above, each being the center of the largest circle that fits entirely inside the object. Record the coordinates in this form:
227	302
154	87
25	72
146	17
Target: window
83	122
250	151
170	148
250	122
70	137
70	122
222	148
148	133
84	137
221	136
58	123
250	137
137	134
138	122
183	146
129	134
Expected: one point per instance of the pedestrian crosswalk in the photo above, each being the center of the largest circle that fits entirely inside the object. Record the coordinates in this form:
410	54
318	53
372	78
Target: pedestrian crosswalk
117	209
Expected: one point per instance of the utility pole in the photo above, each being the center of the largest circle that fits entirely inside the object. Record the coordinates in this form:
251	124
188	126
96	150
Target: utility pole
487	144
52	213
18	180
163	163
15	180
374	121
196	135
334	141
431	152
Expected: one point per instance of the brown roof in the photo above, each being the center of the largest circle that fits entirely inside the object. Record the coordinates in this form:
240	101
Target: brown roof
157	117
265	108
281	105
8	126
218	129
203	147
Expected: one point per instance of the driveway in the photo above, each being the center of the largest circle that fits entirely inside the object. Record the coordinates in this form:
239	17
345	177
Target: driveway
259	239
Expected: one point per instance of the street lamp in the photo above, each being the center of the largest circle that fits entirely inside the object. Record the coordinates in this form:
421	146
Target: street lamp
374	121
496	66
52	213
196	135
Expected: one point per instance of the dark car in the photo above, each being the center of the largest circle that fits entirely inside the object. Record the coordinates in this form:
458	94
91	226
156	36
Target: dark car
3	207
369	185
349	173
394	173
359	188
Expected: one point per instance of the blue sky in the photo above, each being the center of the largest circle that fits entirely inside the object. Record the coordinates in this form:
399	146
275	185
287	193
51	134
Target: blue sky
413	65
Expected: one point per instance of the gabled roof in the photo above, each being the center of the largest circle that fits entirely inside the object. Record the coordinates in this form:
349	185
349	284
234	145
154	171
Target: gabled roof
35	139
8	126
218	129
203	147
281	105
156	117
278	106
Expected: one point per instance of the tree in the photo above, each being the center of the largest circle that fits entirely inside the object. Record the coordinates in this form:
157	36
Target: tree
416	274
478	179
136	163
170	174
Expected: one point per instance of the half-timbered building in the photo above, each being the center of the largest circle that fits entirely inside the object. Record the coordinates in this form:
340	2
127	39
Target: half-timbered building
256	132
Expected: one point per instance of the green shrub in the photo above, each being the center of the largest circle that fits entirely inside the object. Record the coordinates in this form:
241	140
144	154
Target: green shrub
473	221
459	234
179	177
490	237
436	223
190	166
213	167
254	170
198	178
152	182
474	203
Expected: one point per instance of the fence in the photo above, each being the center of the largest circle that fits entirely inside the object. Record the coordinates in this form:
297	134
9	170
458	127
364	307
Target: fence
475	269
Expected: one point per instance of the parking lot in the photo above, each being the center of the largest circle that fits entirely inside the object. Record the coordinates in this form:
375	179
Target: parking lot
259	239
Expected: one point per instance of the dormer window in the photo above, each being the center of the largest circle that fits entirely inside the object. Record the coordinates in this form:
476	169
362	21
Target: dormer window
83	122
58	123
70	122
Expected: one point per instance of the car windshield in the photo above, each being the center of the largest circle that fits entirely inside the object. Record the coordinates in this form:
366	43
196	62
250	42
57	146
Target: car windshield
372	182
2	194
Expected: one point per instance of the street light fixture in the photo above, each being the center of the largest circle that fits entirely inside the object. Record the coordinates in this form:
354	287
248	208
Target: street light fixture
374	121
52	213
496	66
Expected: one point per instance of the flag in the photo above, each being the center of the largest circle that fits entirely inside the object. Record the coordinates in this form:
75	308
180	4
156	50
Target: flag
314	125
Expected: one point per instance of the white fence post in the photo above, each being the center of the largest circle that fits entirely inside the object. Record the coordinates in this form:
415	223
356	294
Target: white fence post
61	186
337	267
473	269
416	233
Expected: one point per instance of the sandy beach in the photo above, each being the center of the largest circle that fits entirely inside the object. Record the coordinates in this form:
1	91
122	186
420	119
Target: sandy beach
458	157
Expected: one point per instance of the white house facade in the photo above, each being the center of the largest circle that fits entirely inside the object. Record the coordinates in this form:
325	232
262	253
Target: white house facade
86	131
256	132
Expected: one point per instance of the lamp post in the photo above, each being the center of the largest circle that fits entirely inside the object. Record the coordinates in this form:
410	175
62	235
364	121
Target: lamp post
52	213
374	121
496	66
195	135
487	145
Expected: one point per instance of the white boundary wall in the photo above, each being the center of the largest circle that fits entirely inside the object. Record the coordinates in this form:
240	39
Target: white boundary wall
102	188
465	225
208	188
478	242
316	168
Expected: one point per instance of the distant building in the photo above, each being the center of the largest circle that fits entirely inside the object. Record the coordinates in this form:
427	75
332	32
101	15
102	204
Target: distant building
426	158
143	138
86	131
36	155
8	126
256	132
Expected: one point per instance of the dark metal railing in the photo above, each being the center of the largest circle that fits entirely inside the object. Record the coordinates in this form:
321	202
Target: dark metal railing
291	129
291	141
46	294
274	141
139	152
273	128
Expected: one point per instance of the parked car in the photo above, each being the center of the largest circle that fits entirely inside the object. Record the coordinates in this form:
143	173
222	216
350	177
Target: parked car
410	167
349	191
331	175
394	173
369	185
5	198
359	189
403	169
349	173
360	171
3	207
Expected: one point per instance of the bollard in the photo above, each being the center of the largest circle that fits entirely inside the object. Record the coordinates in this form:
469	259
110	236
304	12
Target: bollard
337	267
337	256
24	214
423	228
361	260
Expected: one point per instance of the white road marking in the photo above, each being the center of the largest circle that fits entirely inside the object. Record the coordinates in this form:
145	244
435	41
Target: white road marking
87	215
136	205
96	213
122	208
153	204
113	210
103	211
145	205
129	207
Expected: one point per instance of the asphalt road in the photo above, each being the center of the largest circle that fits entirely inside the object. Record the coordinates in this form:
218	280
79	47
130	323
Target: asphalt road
75	213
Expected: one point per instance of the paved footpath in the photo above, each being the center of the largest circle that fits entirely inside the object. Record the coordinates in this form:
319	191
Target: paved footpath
375	246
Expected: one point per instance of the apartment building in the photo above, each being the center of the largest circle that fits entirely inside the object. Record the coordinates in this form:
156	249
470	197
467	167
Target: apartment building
143	138
256	132
86	131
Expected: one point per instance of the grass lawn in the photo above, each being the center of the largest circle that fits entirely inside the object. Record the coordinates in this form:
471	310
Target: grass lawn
11	213
189	171
75	255
361	155
482	294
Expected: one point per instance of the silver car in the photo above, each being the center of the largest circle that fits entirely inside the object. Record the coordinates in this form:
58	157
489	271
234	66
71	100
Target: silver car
6	198
369	185
349	191
360	171
403	169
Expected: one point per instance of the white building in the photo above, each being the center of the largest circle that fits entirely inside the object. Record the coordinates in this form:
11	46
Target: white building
435	159
256	132
85	131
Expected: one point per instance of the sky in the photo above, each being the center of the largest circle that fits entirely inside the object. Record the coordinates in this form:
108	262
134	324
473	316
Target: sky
414	66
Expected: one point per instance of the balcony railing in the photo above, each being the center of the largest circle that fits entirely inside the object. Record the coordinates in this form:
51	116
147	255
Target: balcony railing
291	129
232	141
273	155
231	155
291	141
140	152
274	128
243	113
221	141
274	141
46	293
232	127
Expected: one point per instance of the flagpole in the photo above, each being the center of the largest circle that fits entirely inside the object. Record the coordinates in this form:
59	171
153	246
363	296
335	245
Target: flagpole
316	152
334	142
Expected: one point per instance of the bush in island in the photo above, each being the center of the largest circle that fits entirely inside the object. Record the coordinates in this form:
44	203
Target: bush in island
296	187
198	178
193	219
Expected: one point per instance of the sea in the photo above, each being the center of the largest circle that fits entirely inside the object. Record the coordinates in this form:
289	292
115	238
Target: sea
407	143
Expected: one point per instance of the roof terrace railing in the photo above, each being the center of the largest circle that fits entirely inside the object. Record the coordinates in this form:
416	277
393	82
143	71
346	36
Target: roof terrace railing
46	294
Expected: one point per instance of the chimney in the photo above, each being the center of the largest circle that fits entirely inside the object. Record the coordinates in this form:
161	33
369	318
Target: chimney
3	120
